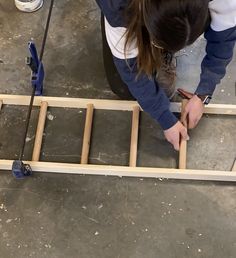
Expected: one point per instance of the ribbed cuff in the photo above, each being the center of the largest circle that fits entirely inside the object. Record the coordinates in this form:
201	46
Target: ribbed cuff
167	120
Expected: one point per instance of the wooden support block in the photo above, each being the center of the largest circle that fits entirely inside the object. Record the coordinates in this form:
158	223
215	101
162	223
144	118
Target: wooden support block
234	166
39	132
134	137
183	143
87	134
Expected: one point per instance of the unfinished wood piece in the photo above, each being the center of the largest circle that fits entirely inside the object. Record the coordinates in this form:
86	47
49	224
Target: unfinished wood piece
183	143
120	171
134	137
39	132
220	109
123	105
234	166
87	134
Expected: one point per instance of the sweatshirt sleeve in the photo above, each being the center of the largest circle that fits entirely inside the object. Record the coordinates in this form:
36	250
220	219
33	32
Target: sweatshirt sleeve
149	95
221	37
151	98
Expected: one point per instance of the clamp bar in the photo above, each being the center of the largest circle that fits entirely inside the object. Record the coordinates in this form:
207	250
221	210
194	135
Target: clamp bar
19	169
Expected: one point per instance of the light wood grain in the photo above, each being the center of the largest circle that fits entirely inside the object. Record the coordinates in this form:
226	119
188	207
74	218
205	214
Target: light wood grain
87	134
67	168
39	132
183	143
134	137
123	105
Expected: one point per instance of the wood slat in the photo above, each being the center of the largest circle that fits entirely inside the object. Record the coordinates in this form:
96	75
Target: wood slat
222	109
87	134
183	143
67	168
39	132
134	137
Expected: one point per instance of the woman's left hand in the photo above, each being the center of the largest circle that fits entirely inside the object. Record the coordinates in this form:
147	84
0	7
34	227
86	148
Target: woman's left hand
193	111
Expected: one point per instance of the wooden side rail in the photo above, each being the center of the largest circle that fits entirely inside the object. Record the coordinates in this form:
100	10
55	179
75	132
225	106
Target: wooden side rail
234	166
134	137
124	105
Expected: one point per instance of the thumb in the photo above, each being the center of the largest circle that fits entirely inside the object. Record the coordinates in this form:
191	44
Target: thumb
176	142
184	134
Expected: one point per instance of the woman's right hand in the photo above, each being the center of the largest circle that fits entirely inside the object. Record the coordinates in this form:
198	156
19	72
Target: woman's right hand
174	134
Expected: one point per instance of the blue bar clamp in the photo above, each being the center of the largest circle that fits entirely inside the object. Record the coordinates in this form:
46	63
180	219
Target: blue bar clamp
19	169
37	69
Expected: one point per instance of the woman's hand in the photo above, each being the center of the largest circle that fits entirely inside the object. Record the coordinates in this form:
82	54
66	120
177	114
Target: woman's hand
193	112
174	134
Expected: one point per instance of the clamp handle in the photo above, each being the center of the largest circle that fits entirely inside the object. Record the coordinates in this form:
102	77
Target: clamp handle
37	69
33	52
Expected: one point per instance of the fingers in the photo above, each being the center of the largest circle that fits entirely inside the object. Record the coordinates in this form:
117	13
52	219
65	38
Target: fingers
174	140
193	120
184	134
176	146
194	111
175	143
174	133
193	123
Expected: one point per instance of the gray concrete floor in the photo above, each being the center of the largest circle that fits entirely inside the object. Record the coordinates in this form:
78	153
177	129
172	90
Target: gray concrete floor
87	216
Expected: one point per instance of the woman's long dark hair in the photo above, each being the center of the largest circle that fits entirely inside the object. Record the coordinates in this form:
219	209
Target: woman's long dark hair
163	24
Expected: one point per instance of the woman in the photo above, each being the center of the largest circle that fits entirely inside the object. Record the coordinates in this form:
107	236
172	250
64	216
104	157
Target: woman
139	39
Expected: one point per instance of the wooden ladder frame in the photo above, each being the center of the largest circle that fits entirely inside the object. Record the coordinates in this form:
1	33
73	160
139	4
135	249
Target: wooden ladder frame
130	171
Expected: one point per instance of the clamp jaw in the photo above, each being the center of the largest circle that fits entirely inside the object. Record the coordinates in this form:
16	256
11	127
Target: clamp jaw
21	170
37	69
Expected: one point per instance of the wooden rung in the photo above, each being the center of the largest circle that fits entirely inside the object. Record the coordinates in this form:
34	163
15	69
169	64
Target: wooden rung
87	134
39	132
183	143
134	137
234	166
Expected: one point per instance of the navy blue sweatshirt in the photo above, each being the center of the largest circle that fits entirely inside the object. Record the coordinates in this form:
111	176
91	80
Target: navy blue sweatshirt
220	36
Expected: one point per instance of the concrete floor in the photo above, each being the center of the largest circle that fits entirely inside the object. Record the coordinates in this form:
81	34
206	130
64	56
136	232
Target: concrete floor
87	216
